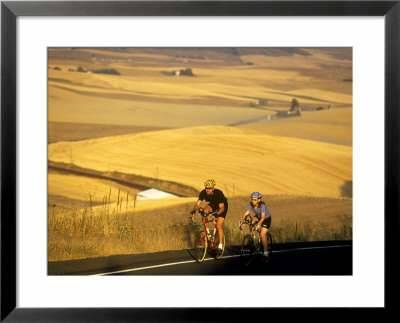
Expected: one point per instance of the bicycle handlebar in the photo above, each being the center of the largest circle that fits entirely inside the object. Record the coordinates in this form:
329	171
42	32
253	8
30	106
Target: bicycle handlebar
249	222
205	214
210	216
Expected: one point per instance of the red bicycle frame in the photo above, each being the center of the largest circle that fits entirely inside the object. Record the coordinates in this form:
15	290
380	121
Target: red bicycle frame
207	230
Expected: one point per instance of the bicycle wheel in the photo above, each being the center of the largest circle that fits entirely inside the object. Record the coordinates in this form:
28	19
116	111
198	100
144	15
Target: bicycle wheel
216	243
269	243
200	249
248	249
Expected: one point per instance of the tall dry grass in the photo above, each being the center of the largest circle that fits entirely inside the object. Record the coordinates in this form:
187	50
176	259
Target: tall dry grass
97	232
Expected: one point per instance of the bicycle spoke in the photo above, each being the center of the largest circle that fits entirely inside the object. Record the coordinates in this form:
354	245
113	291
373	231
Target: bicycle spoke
248	249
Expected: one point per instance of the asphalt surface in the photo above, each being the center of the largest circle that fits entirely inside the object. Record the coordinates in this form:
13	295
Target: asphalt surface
320	258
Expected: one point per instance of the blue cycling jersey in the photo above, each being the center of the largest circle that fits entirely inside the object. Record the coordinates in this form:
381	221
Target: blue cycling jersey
257	211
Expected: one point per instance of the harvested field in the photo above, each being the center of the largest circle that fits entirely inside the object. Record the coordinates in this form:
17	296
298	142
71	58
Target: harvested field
68	131
288	165
331	126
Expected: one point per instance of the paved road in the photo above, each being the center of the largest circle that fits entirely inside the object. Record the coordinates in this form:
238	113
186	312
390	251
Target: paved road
310	259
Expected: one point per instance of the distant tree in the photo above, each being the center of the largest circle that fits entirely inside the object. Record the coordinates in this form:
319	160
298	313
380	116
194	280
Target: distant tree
57	68
295	105
187	72
80	69
295	108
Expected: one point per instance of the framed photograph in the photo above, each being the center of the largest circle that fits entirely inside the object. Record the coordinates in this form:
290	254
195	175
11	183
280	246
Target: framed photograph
113	113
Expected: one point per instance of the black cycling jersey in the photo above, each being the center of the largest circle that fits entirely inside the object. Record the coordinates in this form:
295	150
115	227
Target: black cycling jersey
215	199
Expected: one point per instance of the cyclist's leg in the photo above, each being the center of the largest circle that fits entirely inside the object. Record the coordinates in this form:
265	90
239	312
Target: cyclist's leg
220	222
220	229
263	235
264	230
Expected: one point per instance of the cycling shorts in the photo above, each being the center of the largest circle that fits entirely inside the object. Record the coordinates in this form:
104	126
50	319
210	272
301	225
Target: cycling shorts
267	223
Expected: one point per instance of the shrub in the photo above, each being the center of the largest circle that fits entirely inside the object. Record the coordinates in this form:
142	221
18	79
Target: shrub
107	71
187	72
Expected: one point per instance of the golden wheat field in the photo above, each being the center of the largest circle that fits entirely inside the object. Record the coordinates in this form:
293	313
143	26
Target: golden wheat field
86	188
135	111
330	126
271	164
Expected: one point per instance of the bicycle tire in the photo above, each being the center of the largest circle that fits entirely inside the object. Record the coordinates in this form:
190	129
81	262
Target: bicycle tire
247	250
269	243
200	249
216	246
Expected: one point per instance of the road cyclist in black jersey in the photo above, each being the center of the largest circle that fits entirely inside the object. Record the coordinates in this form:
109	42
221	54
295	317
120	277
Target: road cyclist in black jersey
218	203
263	218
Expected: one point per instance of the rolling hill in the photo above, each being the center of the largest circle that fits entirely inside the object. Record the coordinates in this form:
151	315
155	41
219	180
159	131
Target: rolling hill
239	161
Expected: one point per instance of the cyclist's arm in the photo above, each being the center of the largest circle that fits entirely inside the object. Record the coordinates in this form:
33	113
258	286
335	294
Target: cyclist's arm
244	216
221	208
196	206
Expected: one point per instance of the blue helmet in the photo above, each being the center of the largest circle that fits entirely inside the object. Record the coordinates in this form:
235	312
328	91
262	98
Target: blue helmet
256	195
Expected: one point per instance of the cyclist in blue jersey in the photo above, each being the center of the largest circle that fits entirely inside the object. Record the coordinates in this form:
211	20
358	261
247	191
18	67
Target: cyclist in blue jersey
262	217
217	202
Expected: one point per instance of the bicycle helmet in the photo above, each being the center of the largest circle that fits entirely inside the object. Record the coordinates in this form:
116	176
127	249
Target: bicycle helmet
256	195
210	183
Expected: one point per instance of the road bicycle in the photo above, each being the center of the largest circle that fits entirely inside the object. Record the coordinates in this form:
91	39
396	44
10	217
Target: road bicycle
251	244
208	239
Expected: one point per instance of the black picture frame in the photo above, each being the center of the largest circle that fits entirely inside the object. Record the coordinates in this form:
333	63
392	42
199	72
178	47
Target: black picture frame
10	10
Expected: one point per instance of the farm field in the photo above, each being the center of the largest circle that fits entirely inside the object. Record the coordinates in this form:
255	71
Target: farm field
127	111
330	126
70	131
310	167
219	92
85	188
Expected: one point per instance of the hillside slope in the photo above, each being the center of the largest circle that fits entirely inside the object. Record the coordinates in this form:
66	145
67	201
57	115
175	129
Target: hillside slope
240	162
